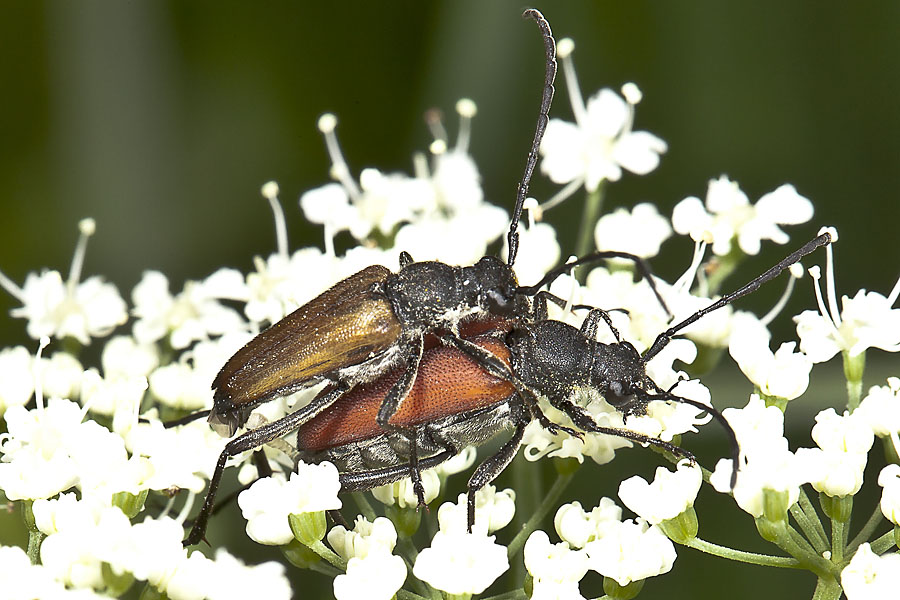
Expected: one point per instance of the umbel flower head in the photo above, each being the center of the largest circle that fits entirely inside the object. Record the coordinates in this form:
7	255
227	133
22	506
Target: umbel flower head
97	450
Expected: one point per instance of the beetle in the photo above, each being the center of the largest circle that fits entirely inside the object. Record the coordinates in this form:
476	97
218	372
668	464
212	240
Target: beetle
486	381
373	322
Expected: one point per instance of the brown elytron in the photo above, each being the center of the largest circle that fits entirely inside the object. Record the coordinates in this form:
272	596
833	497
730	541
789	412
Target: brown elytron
344	326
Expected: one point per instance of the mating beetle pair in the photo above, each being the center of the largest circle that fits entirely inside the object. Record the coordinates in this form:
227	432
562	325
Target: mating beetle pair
425	361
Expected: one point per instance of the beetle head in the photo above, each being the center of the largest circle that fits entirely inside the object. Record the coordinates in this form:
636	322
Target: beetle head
491	284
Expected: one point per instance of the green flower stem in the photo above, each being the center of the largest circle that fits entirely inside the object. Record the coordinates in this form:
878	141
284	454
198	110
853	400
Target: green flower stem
458	596
866	532
796	545
853	372
328	554
837	540
827	588
752	558
407	595
812	516
408	553
35	538
513	595
324	569
883	544
550	498
725	266
364	507
819	542
589	216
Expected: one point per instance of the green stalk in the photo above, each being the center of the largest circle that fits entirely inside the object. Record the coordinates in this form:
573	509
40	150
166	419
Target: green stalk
809	529
550	498
590	214
867	530
827	588
809	511
752	558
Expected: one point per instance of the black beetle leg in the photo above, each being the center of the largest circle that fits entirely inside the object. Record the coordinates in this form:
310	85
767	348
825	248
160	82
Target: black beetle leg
256	438
487	471
497	368
583	419
365	480
398	392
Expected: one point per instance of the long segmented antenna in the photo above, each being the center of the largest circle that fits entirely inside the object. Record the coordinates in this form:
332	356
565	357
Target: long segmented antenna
512	237
663	339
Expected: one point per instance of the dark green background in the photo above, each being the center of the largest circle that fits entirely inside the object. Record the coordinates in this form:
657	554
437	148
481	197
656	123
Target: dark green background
162	120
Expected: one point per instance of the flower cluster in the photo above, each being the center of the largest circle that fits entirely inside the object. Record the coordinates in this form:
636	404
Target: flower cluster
106	486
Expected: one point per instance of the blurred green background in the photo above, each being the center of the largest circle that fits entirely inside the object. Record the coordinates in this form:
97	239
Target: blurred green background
163	119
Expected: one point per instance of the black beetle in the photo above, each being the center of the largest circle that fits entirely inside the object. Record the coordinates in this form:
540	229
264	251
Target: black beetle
486	381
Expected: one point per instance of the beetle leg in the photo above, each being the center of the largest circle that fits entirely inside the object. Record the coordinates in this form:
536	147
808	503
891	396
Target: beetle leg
583	419
487	471
256	438
354	481
398	392
642	266
591	323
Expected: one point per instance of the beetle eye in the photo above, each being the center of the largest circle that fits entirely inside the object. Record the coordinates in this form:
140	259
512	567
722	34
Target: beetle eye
498	302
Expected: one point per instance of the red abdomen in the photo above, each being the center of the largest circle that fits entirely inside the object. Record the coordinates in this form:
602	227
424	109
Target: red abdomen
449	382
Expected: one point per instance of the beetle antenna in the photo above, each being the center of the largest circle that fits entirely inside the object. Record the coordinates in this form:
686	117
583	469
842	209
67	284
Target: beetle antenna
512	237
668	396
663	339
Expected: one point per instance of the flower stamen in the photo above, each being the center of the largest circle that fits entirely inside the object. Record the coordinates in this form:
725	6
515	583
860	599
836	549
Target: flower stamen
269	191
339	168
564	50
87	227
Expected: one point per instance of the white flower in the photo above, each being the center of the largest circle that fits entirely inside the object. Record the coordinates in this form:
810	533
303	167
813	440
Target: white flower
836	467
113	395
181	457
124	356
233	580
194	314
378	576
16	379
435	236
782	374
865	321
871	576
843	433
889	480
493	510
402	494
766	462
729	215
556	568
601	141
577	527
365	538
881	410
38	461
57	308
668	496
185	383
631	551
20	580
832	472
461	563
267	503
640	232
